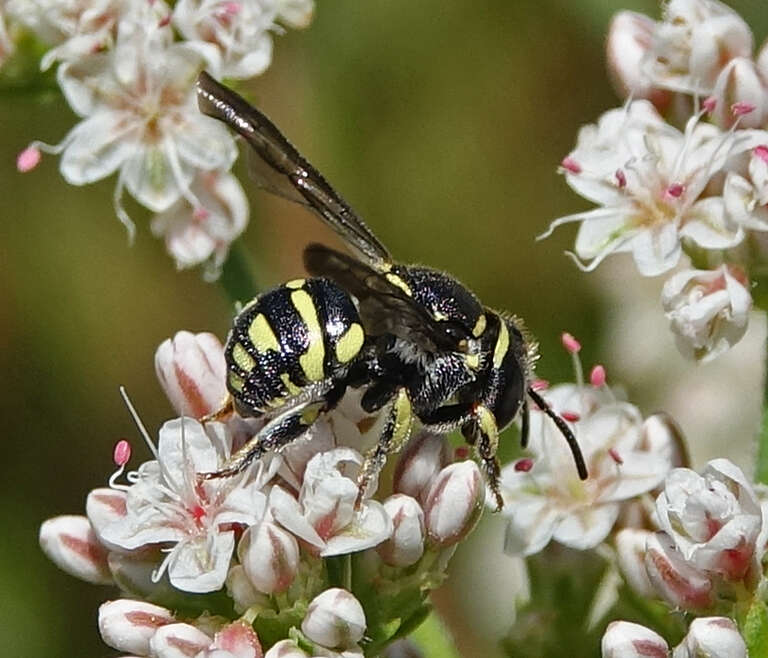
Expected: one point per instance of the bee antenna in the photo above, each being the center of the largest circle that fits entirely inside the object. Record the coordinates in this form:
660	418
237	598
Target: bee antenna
581	467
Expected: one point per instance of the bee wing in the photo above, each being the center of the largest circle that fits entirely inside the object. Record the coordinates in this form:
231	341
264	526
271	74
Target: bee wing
384	307
279	168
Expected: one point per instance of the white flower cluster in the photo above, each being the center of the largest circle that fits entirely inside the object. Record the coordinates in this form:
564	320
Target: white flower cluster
282	555
625	455
680	173
706	557
132	82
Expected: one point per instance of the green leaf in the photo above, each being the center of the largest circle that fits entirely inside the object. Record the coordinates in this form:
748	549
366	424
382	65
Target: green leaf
433	639
755	630
238	279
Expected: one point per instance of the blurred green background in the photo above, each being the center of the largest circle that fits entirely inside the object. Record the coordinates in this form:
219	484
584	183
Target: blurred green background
441	121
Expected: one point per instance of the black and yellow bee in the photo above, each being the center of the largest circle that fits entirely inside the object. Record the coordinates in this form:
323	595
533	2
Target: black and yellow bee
421	344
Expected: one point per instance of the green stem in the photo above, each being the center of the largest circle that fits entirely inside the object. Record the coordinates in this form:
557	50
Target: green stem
761	470
238	278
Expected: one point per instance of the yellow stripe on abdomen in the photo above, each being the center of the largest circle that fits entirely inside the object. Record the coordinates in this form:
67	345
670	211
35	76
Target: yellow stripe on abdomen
311	361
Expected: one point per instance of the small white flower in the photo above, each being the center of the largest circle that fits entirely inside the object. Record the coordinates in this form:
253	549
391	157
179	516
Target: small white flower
692	43
202	232
544	497
167	504
623	639
324	515
424	456
712	636
239	28
141	119
649	178
335	619
77	28
714	519
285	649
708	310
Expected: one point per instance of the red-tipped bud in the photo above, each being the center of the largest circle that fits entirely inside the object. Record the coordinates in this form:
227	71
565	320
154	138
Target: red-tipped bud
406	545
624	639
334	619
454	503
70	543
270	557
128	625
192	371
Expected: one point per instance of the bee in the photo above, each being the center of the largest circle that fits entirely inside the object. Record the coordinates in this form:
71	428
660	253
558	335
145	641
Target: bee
421	345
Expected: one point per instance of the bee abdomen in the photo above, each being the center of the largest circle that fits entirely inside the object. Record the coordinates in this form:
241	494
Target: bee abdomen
300	335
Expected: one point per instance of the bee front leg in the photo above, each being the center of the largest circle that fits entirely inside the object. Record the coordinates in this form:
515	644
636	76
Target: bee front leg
397	429
483	433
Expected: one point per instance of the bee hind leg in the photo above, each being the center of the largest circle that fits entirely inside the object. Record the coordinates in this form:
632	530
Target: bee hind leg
273	436
483	433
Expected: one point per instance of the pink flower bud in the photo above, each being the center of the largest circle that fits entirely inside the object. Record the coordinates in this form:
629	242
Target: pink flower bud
419	463
334	619
454	503
406	545
128	625
674	579
630	552
712	636
629	38
70	543
192	371
237	639
270	557
624	639
740	94
285	649
179	641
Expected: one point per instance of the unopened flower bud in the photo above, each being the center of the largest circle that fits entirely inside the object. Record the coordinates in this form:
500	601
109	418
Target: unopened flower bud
334	619
739	85
285	649
192	371
454	503
406	545
128	625
624	639
629	38
270	557
711	636
673	578
419	463
70	543
630	551
178	641
237	639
